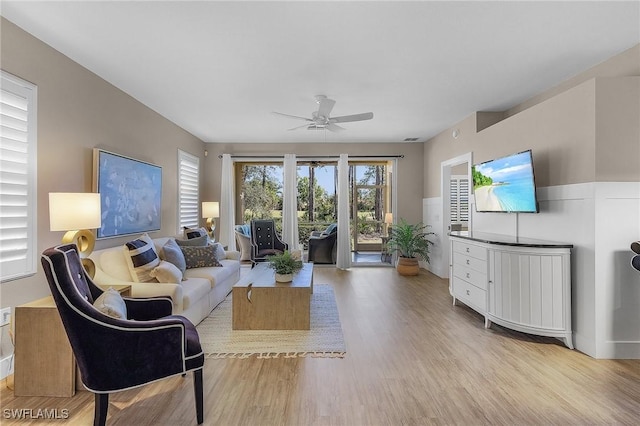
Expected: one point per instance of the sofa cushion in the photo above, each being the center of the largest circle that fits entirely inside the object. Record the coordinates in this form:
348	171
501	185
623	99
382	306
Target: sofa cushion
214	275
166	272
111	303
194	242
200	257
172	253
193	290
141	257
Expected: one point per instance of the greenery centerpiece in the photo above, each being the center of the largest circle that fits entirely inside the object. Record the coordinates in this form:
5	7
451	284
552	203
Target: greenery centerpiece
285	265
411	244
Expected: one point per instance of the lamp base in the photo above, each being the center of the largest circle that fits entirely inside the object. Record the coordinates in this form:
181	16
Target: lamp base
85	241
211	226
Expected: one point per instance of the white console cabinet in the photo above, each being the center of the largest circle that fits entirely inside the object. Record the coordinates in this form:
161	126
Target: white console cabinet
521	284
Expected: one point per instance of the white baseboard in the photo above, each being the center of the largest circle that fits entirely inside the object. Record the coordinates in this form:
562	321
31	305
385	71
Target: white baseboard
6	366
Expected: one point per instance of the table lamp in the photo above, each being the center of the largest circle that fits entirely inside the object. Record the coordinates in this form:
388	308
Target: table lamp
210	210
76	213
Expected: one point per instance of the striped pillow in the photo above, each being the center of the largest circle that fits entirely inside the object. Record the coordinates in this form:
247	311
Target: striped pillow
141	258
190	233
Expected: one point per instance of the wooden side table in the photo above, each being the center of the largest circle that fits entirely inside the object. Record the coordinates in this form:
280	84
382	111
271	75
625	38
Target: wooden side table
44	361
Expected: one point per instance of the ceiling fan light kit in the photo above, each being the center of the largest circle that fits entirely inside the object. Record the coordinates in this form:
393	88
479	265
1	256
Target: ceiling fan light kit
322	120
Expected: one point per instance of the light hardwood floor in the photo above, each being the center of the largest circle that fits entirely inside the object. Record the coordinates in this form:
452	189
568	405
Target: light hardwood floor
412	359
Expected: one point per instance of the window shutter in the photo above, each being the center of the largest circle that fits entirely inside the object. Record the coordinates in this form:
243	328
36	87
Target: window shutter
17	177
459	199
188	187
463	194
453	200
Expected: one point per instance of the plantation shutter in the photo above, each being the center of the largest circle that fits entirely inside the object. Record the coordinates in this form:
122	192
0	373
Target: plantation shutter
188	187
454	200
18	114
463	203
459	199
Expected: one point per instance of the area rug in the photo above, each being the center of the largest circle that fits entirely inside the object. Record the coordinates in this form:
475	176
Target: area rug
324	339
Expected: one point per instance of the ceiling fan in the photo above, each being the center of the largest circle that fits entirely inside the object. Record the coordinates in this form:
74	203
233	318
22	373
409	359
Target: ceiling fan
321	119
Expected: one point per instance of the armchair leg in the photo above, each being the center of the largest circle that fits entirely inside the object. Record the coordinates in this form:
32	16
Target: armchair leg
101	406
198	393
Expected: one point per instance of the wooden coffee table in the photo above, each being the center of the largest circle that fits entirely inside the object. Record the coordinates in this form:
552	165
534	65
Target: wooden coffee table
261	303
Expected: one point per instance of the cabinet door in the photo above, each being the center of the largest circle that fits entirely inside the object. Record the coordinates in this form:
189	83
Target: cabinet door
529	289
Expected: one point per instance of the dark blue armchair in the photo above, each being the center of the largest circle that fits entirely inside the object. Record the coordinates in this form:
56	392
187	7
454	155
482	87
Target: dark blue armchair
264	240
118	354
322	245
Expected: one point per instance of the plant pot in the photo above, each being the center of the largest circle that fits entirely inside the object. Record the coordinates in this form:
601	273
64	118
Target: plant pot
408	266
284	278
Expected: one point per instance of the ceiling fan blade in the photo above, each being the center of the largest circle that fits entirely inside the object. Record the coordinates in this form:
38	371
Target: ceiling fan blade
326	105
334	127
292	116
355	117
299	127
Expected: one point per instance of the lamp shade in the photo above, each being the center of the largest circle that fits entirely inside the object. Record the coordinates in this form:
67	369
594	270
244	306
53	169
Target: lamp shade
388	218
210	209
74	211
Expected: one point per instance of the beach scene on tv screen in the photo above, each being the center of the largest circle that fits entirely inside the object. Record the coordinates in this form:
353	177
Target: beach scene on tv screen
505	184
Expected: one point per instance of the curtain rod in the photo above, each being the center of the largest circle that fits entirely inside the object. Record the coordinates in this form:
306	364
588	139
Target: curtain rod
314	156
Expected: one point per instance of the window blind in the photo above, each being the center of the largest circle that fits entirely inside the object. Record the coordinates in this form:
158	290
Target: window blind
188	187
17	177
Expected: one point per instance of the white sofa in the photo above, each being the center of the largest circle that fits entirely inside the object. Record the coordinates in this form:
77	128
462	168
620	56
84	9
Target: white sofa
202	290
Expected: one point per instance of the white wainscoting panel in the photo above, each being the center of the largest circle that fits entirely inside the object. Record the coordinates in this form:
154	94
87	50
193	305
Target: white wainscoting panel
432	216
617	283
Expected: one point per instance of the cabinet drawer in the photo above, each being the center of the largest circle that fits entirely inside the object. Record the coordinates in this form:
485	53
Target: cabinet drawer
465	260
471	276
470	250
468	293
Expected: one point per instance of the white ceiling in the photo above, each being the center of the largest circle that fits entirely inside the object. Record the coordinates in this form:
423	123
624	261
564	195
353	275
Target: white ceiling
218	69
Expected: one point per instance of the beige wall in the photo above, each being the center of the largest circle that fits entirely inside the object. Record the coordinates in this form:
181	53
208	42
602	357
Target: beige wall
409	172
618	129
568	129
623	64
78	111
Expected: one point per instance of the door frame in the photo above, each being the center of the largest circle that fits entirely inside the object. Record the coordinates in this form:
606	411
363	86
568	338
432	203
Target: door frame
445	177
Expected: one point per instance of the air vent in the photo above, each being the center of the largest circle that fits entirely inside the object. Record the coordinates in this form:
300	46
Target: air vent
411	139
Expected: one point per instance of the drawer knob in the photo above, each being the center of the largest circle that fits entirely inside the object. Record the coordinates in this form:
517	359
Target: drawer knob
468	275
467	249
468	262
468	294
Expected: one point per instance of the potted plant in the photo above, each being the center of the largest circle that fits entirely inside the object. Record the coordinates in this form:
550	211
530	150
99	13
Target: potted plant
411	244
285	265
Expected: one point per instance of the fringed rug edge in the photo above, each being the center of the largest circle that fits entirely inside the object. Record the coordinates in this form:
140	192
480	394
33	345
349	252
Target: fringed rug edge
269	355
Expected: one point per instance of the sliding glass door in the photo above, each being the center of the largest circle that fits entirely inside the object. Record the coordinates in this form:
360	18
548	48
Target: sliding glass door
370	202
260	187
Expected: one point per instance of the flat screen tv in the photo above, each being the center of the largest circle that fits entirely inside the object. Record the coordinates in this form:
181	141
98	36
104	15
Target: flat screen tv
506	185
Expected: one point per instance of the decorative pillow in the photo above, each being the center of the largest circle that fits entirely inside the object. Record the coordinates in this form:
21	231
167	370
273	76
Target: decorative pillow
166	272
190	233
111	303
142	258
200	257
171	253
220	253
193	242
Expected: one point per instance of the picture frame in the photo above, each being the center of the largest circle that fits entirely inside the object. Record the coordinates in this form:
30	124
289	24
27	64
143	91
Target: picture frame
130	194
